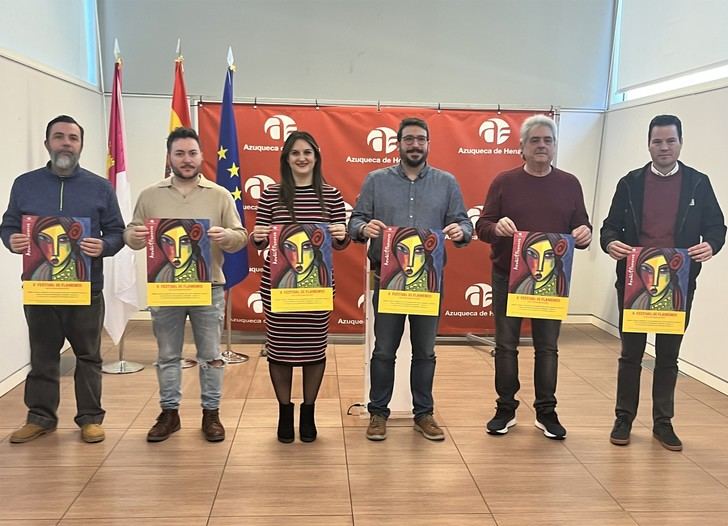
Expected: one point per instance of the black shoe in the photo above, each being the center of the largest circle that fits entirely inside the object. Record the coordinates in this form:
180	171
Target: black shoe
550	425
503	419
620	431
286	434
307	424
666	436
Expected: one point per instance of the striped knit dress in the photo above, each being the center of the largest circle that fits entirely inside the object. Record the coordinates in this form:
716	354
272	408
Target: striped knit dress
297	338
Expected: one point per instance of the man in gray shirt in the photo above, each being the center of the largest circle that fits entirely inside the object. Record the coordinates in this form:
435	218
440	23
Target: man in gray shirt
410	194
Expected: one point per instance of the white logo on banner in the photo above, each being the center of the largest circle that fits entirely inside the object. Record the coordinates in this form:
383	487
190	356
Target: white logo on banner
495	130
479	294
263	253
348	209
255	302
256	184
382	139
279	127
360	301
474	214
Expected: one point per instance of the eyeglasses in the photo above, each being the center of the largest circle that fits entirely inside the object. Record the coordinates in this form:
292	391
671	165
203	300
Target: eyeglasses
411	139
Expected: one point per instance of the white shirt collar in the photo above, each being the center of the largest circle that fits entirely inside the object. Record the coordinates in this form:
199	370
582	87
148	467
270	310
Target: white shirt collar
660	174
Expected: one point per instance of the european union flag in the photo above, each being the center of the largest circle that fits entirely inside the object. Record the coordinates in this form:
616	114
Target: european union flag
235	266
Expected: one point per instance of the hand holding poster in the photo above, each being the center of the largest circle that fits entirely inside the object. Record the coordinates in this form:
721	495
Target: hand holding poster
178	262
540	276
655	291
301	268
55	270
411	273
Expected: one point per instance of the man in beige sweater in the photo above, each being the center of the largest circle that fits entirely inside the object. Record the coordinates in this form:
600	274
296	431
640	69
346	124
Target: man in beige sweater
187	194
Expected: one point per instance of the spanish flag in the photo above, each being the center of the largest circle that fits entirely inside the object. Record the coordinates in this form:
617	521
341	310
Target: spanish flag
180	114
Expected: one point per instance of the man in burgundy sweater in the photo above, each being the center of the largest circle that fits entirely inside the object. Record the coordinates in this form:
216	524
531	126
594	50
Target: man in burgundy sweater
540	198
663	204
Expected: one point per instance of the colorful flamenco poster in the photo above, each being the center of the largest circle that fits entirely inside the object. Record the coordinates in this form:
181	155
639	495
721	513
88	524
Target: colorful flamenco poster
55	271
655	292
540	275
301	268
178	263
411	273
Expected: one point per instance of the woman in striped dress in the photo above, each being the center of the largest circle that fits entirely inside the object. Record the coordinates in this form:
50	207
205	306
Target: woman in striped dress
298	338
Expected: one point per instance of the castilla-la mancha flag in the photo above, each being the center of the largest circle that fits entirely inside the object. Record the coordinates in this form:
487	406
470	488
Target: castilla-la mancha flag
120	271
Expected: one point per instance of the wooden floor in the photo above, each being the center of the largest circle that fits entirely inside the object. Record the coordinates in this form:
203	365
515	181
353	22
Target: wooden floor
342	479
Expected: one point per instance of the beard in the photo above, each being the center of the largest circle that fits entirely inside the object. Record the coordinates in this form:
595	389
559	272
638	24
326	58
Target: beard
64	161
178	173
414	163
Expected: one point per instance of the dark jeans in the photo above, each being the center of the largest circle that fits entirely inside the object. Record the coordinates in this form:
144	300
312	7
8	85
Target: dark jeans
667	349
388	329
507	335
48	326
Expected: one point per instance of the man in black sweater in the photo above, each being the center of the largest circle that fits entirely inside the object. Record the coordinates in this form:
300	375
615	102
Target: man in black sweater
663	204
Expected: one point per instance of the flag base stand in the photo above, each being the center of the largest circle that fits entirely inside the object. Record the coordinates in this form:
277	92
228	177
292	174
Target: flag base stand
122	367
187	363
230	356
233	357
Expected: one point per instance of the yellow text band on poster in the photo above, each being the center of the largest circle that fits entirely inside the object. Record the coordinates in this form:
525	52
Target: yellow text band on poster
406	302
659	322
310	299
179	294
539	307
56	292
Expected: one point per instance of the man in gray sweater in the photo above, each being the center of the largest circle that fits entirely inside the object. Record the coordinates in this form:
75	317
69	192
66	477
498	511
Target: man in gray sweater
410	194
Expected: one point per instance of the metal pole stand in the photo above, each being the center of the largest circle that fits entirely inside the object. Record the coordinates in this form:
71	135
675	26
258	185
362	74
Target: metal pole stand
228	354
122	366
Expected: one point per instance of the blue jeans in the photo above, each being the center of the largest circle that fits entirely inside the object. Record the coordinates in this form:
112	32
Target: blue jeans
388	329
507	336
169	329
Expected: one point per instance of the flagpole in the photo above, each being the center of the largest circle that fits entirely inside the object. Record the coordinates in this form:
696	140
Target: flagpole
120	366
178	117
236	266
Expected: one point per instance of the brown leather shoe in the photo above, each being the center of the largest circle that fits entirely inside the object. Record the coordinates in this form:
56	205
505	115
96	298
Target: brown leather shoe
377	429
167	423
429	428
92	433
211	425
29	432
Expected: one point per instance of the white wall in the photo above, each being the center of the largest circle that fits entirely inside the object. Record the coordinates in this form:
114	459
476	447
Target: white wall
54	34
530	52
625	148
29	98
580	136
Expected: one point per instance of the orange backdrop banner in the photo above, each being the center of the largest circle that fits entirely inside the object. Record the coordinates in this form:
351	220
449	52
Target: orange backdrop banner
472	145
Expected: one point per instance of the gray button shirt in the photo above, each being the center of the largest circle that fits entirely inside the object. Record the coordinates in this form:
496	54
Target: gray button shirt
433	200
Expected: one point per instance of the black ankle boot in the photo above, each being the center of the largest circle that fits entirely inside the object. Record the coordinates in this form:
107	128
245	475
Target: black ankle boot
307	426
286	434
